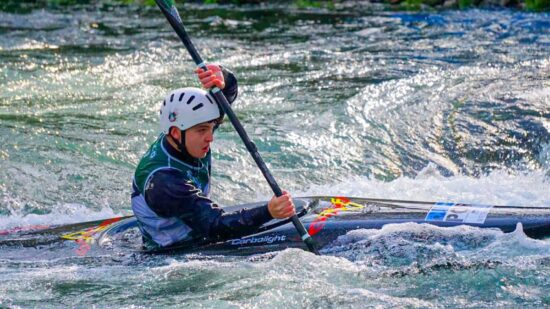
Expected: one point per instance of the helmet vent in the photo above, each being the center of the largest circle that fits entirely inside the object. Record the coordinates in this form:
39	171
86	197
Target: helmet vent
181	96
172	97
208	97
198	106
190	99
164	103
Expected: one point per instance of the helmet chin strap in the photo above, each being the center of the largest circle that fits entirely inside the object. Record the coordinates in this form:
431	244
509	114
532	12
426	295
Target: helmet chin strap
181	143
182	149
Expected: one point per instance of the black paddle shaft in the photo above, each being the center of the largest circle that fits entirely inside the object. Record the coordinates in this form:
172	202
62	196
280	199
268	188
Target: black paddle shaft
175	21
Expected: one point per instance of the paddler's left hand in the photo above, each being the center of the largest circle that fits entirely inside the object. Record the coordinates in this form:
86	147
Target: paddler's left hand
281	207
211	77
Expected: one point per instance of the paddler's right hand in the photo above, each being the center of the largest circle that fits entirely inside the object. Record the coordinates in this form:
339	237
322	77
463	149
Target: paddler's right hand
281	207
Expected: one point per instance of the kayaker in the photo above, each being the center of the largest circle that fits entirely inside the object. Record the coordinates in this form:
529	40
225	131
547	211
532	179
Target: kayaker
172	181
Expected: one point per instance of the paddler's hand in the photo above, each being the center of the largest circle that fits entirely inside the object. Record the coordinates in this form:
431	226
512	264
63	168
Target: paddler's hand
212	77
281	207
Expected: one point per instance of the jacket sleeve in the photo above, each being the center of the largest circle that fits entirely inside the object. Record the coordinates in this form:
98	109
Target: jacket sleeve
231	89
168	195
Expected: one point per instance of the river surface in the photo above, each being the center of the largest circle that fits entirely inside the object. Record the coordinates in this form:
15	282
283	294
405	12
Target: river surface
354	101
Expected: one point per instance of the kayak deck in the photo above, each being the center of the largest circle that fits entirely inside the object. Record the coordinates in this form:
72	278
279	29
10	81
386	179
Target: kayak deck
324	217
327	218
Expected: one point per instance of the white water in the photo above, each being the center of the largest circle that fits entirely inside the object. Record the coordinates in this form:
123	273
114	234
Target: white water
442	106
497	188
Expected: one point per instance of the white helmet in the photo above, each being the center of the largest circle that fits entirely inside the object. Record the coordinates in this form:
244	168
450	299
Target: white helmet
186	107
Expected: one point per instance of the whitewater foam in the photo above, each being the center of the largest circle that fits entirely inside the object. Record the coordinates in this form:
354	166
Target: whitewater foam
62	214
498	188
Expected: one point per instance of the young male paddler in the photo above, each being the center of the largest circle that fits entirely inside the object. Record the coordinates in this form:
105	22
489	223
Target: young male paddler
172	181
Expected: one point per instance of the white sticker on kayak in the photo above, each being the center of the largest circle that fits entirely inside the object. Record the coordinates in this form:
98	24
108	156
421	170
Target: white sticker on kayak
459	213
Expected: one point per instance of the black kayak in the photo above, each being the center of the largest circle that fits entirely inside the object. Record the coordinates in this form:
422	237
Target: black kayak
326	218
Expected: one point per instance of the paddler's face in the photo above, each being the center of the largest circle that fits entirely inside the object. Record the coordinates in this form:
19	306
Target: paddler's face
198	139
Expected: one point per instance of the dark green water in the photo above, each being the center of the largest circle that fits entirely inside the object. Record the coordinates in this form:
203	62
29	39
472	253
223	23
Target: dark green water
425	106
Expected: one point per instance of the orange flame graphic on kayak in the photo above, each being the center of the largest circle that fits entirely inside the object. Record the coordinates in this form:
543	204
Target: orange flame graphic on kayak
339	204
85	237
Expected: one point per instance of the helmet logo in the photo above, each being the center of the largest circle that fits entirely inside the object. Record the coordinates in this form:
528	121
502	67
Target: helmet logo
172	116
